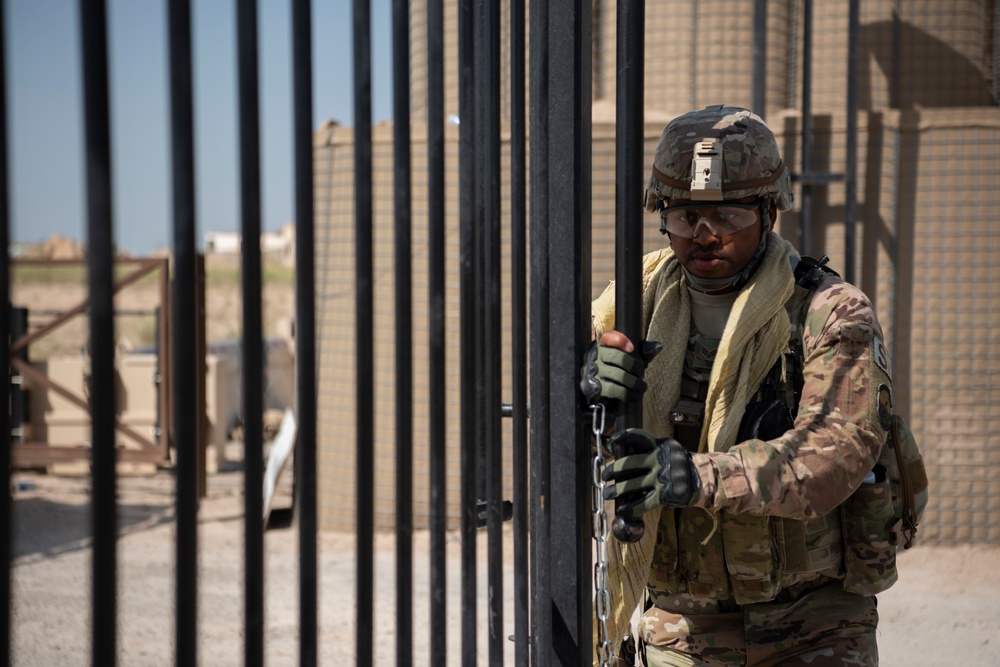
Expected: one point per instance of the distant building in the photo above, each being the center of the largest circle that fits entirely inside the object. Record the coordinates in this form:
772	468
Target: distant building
278	245
222	243
61	247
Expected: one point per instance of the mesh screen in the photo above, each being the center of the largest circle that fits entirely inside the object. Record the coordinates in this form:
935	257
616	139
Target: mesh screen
336	335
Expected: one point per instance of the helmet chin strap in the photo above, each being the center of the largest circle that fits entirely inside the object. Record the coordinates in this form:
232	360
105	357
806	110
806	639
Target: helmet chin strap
737	281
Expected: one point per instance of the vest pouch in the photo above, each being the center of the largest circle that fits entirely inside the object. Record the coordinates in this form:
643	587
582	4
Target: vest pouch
664	575
867	522
701	556
811	545
751	559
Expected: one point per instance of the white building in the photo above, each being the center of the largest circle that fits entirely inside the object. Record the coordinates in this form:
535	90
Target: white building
280	244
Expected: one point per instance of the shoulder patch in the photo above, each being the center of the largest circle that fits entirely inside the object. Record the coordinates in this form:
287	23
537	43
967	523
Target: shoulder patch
881	354
884	406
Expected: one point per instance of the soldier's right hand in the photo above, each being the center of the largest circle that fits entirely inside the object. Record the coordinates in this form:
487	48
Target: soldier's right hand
612	371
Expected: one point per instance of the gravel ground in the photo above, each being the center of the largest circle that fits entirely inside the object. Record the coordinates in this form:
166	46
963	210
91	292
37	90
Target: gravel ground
945	610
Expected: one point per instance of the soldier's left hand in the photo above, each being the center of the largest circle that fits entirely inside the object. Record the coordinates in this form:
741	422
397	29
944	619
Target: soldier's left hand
649	473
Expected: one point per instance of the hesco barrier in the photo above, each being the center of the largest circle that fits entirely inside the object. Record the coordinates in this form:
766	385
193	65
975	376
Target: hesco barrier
918	250
926	118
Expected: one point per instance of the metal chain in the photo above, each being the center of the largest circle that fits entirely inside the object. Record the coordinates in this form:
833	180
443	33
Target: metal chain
602	604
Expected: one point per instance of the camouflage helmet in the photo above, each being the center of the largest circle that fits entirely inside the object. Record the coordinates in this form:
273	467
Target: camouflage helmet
733	152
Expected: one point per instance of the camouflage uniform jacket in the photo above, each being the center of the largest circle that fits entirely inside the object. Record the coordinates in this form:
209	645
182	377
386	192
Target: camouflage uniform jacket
792	509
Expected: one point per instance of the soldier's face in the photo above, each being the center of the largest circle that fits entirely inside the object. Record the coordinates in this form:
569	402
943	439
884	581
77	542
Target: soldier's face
715	254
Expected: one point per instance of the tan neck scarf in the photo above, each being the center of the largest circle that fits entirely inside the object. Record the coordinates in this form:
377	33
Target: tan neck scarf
755	335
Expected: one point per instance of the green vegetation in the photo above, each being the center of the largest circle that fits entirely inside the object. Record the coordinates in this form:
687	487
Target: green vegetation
54	274
222	273
68	274
230	274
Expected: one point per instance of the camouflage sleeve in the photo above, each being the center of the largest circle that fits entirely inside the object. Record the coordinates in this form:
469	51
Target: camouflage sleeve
840	426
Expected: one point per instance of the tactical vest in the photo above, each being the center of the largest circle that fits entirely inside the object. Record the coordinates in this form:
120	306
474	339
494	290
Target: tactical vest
748	558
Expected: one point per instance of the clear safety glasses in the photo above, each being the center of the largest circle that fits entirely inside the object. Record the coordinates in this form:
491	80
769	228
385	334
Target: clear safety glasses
721	219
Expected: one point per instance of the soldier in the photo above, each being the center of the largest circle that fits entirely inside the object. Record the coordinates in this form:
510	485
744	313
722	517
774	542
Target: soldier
758	478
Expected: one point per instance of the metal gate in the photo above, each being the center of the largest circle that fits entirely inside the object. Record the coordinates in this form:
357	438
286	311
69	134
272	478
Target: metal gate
551	479
553	605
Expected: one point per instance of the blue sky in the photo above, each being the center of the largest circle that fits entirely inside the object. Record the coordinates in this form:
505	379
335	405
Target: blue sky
45	112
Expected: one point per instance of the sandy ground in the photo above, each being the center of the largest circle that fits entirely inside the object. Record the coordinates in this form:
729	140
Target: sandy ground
944	611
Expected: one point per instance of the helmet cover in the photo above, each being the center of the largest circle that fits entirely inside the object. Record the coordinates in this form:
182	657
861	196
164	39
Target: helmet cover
742	145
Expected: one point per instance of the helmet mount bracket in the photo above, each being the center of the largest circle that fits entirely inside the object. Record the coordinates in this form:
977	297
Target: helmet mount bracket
706	171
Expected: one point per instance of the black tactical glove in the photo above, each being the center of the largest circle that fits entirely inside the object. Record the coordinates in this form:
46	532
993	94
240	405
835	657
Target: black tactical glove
608	374
649	473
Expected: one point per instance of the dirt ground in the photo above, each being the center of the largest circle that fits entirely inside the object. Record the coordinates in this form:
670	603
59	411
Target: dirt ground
945	610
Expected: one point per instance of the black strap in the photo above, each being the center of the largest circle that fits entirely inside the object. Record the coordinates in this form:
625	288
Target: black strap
810	273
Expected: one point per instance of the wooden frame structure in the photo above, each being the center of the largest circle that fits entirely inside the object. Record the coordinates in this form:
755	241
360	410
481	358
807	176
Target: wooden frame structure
155	449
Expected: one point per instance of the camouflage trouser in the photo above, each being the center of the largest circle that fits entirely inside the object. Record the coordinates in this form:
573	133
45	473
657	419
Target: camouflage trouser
822	628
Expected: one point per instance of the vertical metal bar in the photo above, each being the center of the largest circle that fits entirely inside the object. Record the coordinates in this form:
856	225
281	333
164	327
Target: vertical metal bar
488	187
364	323
185	363
851	150
17	325
305	332
479	234
7	527
793	50
569	199
805	240
628	200
436	329
164	359
253	351
404	331
760	57
995	85
894	81
628	181
201	351
519	359
100	264
540	546
469	300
